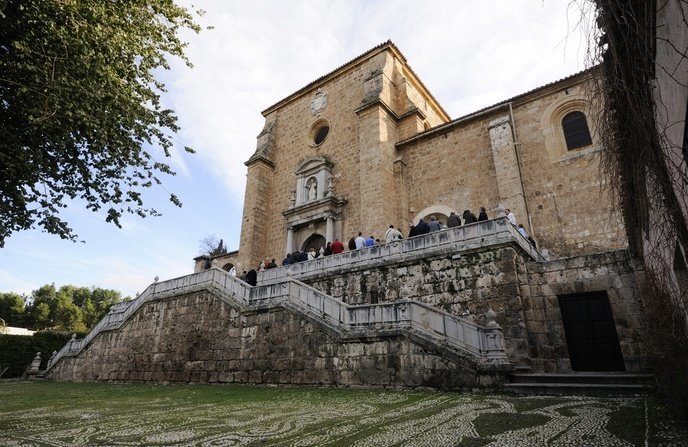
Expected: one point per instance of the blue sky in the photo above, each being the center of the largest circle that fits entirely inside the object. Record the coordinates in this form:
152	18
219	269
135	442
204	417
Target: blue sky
469	54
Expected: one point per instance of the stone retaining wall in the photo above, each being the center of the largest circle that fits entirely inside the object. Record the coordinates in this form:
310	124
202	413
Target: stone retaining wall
465	285
613	272
524	294
198	337
201	335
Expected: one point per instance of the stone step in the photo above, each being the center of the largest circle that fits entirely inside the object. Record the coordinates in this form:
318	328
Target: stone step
595	389
581	383
583	378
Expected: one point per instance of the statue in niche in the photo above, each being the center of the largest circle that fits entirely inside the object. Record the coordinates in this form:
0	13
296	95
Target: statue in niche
329	187
312	189
292	199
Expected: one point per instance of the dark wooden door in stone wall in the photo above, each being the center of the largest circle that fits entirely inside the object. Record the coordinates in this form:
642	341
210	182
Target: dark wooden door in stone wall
590	332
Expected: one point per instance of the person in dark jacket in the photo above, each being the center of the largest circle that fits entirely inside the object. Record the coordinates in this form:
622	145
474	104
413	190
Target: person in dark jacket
453	220
352	244
468	217
412	230
252	277
422	227
483	214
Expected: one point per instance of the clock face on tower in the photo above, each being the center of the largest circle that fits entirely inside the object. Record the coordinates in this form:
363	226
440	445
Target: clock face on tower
319	102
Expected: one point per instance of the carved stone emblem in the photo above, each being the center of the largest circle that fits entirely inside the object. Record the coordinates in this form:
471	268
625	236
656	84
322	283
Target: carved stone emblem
319	102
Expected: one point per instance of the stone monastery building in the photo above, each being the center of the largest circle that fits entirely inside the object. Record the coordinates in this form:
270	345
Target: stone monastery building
356	150
376	148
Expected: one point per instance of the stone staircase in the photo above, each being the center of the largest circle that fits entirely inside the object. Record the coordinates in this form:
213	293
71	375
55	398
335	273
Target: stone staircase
456	338
588	383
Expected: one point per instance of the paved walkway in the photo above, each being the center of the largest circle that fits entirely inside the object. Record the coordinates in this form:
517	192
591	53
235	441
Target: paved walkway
56	414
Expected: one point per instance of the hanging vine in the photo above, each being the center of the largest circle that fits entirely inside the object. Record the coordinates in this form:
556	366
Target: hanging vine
646	170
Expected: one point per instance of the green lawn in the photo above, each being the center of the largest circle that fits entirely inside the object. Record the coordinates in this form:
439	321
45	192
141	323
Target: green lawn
68	414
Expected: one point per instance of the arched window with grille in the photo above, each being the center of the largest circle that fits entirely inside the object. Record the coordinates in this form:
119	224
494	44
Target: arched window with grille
576	131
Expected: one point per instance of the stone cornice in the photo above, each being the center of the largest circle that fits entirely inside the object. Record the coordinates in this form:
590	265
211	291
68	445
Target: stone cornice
515	101
384	106
259	158
314	210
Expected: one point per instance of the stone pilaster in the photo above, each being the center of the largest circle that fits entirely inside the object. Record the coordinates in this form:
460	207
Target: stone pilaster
507	170
256	211
377	134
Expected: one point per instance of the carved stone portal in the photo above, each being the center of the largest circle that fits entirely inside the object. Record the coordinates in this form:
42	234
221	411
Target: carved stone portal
316	209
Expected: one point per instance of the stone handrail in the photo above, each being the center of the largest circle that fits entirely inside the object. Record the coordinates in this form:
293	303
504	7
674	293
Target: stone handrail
484	343
451	240
120	312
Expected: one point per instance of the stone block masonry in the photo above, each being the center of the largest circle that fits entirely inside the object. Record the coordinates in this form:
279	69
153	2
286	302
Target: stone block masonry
396	315
523	293
615	273
184	329
200	338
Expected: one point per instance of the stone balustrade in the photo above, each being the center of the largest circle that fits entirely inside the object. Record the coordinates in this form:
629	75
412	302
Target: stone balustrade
451	240
483	344
486	343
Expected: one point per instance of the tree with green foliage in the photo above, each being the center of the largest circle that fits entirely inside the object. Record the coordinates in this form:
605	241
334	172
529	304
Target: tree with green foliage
12	309
81	118
69	308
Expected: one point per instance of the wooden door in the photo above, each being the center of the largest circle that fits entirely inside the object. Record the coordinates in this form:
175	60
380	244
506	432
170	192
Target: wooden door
590	332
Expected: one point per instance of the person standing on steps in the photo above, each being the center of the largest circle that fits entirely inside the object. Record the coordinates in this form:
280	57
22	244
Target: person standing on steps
453	220
483	214
337	247
352	244
468	217
252	277
392	234
422	227
360	241
434	225
510	216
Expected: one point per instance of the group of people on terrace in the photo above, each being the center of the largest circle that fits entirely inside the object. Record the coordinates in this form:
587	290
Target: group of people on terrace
392	234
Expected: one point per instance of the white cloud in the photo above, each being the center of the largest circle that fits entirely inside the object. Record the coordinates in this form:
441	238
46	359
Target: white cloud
262	51
469	54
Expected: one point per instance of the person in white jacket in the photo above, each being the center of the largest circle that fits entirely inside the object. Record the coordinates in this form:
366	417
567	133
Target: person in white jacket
510	216
392	234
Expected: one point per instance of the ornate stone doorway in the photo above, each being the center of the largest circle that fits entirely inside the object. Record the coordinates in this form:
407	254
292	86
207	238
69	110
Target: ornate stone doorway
316	241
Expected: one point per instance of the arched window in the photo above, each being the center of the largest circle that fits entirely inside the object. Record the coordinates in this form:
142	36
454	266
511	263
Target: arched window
576	131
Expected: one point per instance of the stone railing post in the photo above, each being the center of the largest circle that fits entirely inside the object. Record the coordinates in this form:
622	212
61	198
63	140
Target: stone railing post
51	359
35	364
494	338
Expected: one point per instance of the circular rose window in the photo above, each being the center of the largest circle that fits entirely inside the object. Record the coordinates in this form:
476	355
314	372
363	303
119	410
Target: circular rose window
319	132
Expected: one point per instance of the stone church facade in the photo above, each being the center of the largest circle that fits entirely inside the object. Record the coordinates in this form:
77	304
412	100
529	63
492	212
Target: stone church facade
367	145
364	147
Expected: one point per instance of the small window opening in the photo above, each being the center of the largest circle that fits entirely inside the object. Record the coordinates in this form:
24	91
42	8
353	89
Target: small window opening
576	131
321	134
